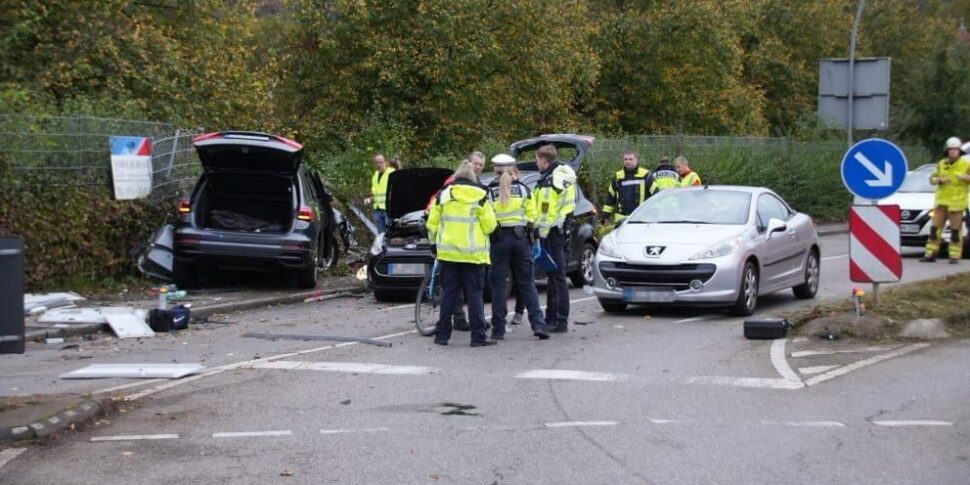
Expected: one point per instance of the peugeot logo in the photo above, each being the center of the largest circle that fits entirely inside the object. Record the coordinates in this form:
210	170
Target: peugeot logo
654	251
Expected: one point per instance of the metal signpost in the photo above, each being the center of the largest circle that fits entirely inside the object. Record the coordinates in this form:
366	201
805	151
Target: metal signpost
12	295
874	169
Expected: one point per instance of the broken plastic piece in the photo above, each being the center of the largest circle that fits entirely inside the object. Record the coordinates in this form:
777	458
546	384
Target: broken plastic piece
136	371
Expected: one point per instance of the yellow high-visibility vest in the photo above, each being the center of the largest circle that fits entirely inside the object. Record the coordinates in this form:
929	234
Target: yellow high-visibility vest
519	211
954	193
459	223
378	188
554	198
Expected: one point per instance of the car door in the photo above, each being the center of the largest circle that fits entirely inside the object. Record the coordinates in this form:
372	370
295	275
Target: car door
777	251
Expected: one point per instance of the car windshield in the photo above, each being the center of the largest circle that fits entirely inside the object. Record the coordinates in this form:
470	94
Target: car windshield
695	207
918	181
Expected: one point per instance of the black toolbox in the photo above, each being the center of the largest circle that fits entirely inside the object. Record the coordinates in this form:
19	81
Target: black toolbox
766	328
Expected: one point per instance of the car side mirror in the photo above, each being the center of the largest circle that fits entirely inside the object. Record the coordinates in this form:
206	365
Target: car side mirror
776	225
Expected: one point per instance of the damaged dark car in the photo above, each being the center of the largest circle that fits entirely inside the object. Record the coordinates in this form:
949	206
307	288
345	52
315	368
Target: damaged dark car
255	208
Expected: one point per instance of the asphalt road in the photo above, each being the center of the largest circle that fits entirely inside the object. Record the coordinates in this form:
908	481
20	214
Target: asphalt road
665	396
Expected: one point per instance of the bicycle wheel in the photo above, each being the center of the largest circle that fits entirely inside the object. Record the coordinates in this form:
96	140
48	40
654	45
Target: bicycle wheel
426	305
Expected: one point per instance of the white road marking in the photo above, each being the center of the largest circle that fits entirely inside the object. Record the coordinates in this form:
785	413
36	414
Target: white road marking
841	256
247	434
666	421
781	364
566	424
572	375
808	424
832	374
698	319
343	431
354	367
396	307
816	369
755	382
810	353
913	422
136	437
7	455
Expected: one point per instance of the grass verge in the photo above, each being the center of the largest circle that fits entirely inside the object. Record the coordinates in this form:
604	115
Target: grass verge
946	298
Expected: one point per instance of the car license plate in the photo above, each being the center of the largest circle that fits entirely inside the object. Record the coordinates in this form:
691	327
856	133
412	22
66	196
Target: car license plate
406	269
633	295
909	228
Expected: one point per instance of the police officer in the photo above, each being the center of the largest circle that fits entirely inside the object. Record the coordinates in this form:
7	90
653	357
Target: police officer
688	177
459	224
951	176
555	200
378	190
663	177
628	189
514	212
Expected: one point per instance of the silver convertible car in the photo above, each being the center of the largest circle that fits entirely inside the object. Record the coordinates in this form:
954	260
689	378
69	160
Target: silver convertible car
719	246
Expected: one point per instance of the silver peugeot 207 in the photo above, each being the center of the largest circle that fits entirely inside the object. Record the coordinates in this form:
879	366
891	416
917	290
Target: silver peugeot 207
708	246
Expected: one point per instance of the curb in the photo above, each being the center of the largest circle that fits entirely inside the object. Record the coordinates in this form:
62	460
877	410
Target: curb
45	428
833	230
202	311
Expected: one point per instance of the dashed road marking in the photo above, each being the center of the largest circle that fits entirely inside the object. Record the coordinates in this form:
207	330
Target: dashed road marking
344	431
7	455
816	369
754	382
807	424
568	424
136	437
353	367
248	434
666	421
913	422
571	375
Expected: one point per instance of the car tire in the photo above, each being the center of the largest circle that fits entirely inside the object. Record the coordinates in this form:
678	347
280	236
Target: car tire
813	272
747	301
185	275
613	306
583	276
307	277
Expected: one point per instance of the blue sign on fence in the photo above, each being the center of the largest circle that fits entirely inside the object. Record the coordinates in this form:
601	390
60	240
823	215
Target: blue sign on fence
874	169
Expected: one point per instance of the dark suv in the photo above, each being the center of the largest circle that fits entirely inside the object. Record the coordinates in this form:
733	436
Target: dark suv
254	208
400	257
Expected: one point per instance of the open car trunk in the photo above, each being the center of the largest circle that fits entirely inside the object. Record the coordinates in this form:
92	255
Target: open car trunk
249	202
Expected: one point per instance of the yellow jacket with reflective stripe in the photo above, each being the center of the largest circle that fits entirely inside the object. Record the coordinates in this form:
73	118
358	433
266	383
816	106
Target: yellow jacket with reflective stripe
690	180
554	197
378	188
954	193
626	190
459	223
520	210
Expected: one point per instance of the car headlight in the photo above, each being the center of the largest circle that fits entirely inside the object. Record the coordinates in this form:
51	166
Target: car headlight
722	248
609	249
378	246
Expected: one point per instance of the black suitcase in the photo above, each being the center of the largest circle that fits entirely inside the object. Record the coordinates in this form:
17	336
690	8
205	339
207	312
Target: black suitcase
766	328
160	320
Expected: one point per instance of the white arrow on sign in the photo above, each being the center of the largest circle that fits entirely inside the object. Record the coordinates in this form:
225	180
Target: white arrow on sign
883	178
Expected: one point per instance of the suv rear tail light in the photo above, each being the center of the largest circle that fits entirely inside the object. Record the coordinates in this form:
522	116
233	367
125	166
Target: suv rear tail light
305	214
185	206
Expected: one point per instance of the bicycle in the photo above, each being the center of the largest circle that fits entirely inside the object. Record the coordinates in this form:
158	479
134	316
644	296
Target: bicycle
428	301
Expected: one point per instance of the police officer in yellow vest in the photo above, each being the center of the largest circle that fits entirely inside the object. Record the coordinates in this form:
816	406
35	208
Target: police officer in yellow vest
459	224
555	200
688	177
378	190
628	189
951	178
663	177
515	213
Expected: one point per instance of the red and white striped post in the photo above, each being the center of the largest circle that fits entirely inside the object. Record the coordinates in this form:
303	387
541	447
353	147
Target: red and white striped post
874	246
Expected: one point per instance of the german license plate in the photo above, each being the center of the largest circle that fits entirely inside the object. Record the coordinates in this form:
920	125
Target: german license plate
633	295
909	228
406	269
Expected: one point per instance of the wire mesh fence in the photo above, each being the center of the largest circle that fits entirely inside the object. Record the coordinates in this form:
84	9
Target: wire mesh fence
75	150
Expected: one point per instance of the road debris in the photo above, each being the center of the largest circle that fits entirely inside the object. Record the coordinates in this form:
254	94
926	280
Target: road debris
333	338
135	371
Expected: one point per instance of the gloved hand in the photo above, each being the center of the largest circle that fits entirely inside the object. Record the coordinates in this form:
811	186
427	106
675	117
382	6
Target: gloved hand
536	250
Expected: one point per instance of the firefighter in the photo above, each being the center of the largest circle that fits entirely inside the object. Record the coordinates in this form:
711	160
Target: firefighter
663	177
688	177
511	248
951	176
378	190
628	189
459	224
555	200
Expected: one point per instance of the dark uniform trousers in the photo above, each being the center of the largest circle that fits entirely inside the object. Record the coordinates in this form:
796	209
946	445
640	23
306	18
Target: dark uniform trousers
511	251
557	290
457	280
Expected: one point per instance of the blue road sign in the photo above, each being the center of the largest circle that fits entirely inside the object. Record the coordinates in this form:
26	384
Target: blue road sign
874	169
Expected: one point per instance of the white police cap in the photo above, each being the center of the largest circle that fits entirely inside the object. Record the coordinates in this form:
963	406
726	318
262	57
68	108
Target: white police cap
503	160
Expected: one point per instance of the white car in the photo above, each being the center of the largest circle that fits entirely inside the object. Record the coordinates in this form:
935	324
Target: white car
915	199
